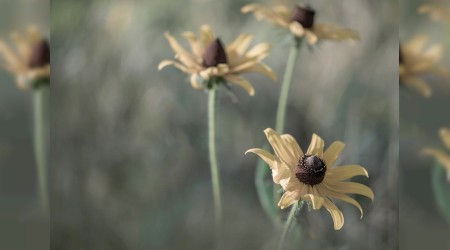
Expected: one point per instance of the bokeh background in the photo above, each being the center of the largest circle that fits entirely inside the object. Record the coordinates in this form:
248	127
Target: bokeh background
129	158
22	225
421	224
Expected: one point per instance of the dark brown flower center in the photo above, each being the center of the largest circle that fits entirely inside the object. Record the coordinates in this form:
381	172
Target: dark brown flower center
214	54
304	15
40	55
310	170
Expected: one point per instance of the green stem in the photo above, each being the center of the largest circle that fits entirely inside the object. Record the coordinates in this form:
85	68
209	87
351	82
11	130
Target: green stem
287	225
41	146
262	171
441	190
213	159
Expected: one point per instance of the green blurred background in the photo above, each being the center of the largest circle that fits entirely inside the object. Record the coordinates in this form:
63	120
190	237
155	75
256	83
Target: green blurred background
130	167
421	224
22	226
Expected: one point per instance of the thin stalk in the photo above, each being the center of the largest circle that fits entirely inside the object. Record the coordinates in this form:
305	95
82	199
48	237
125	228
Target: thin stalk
287	225
41	146
441	190
262	171
215	179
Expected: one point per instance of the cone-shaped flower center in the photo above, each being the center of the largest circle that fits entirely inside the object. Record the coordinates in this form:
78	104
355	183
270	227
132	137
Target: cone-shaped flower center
310	170
304	15
214	54
40	55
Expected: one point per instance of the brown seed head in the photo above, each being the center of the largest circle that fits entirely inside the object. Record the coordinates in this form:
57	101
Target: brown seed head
40	55
214	54
310	170
304	15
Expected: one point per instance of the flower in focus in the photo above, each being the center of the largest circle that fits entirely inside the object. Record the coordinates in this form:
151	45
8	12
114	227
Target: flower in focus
29	61
211	61
415	61
442	157
299	20
436	13
312	176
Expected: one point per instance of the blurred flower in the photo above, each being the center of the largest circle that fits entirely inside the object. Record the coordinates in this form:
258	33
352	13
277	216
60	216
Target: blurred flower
213	62
436	13
300	21
29	62
311	176
440	155
415	61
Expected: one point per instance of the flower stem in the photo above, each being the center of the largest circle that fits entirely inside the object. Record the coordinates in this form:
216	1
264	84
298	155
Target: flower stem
288	225
215	179
262	171
441	190
41	135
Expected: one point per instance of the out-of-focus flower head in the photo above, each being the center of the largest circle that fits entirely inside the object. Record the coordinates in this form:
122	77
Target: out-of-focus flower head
415	61
312	176
436	13
442	157
28	60
210	62
300	21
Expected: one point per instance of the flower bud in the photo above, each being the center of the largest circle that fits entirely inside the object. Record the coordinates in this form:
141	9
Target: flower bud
304	15
214	54
40	55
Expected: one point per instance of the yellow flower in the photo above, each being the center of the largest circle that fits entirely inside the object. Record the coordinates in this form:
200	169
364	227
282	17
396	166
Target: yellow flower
29	62
440	155
436	13
416	61
299	20
312	176
209	59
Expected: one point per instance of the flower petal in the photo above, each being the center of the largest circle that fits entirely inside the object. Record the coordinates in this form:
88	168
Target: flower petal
336	214
288	199
350	188
296	29
177	65
282	150
333	152
316	146
206	35
194	81
345	198
345	172
280	172
196	45
311	37
292	146
185	57
240	44
257	68
335	33
417	84
445	136
241	82
316	201
440	156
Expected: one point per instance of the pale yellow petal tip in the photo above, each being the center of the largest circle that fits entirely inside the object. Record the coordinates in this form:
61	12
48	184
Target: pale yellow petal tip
162	65
252	150
338	227
249	7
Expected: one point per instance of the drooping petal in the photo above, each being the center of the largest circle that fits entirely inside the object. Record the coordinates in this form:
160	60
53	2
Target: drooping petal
336	214
281	148
445	136
177	65
241	82
316	201
345	198
440	156
194	81
280	172
316	146
333	152
257	68
288	199
311	37
345	172
11	59
350	188
269	158
296	29
417	84
335	33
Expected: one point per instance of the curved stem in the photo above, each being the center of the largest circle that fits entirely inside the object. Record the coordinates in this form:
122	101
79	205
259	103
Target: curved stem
41	149
288	225
441	190
215	179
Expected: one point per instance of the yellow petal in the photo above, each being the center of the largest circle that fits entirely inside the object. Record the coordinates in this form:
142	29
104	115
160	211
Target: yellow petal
350	188
333	32
336	214
311	37
316	201
288	199
345	172
440	156
241	82
196	45
11	59
281	148
296	29
240	44
257	68
345	198
292	145
185	57
434	53
333	152
206	35
166	63
194	82
259	51
280	172
445	136
269	158
316	146
417	84
415	45
250	7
